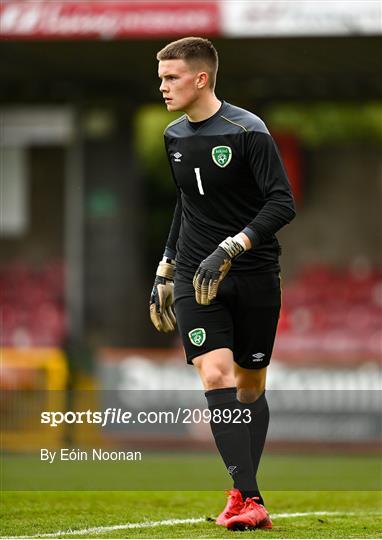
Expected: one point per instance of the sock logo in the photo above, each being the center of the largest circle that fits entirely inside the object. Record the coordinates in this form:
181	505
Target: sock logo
231	469
257	357
197	336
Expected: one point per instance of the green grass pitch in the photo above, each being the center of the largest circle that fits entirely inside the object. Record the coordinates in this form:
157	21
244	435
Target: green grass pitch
31	513
140	514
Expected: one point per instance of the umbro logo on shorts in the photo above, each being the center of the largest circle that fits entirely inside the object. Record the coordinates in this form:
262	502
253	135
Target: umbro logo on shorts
257	357
177	157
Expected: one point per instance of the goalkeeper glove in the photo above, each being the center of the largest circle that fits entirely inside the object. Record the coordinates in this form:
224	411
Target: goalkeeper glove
214	268
162	297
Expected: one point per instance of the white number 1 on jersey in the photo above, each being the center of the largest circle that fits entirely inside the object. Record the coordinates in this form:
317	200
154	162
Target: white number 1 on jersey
199	180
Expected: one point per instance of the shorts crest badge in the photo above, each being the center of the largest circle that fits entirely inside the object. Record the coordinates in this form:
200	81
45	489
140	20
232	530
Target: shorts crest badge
221	155
197	336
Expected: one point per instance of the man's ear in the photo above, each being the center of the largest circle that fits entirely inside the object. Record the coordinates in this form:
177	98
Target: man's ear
202	79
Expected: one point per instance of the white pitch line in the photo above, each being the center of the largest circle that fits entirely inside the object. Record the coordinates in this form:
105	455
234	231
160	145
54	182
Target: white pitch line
170	522
109	528
323	513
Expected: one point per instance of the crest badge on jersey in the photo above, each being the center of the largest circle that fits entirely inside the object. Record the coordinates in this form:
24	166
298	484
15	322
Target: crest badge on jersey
197	336
221	155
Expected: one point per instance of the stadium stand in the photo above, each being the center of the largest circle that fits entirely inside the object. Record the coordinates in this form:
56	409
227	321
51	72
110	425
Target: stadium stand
332	315
33	311
328	314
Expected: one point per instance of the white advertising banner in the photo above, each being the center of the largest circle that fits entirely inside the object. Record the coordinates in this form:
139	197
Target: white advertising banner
247	18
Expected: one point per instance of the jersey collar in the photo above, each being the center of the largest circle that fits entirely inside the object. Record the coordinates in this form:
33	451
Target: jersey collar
196	125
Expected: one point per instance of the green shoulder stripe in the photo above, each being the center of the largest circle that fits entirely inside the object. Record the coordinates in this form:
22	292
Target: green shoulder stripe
174	122
234	123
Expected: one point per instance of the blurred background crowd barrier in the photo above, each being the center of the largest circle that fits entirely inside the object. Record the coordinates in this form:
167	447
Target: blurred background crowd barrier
87	200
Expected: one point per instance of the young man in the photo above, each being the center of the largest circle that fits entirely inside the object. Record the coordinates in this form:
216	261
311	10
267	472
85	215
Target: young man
233	196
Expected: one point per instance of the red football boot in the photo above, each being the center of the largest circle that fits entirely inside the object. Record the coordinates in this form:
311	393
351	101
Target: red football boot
252	516
233	507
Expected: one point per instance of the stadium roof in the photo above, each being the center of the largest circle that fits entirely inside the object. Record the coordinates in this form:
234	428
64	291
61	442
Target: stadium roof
270	50
252	69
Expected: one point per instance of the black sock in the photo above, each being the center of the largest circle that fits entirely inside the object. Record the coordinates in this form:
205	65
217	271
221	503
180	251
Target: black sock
258	428
233	439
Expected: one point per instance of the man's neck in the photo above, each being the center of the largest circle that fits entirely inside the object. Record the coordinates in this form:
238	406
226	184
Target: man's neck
202	110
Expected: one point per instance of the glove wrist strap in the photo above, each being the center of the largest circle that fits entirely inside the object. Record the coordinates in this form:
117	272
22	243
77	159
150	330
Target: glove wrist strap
168	260
166	270
233	246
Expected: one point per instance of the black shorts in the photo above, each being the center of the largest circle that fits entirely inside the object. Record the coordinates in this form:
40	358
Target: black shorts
243	318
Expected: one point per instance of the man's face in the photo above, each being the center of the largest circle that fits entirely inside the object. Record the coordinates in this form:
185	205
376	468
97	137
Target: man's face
179	84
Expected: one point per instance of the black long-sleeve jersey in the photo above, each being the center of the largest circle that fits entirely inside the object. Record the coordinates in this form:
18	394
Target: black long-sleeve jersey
229	178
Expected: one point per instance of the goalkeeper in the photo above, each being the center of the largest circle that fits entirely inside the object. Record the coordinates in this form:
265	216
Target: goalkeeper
233	195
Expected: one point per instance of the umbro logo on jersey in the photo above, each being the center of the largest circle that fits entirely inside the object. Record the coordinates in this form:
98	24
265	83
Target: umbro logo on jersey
257	357
177	157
